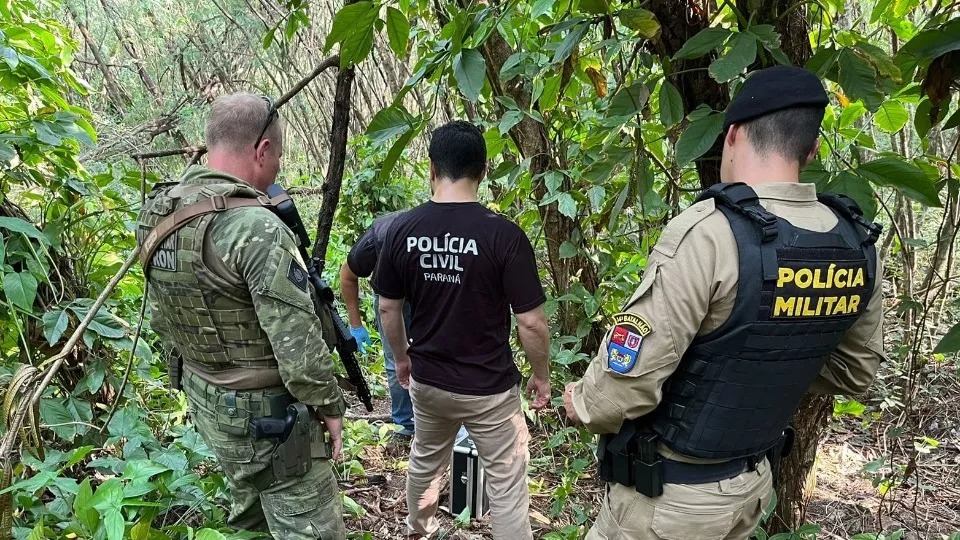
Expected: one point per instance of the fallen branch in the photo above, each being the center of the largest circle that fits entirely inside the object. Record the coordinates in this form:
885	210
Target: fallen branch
56	362
169	152
369	417
200	150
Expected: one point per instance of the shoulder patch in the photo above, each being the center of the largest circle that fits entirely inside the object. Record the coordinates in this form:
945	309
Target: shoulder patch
626	340
679	226
297	275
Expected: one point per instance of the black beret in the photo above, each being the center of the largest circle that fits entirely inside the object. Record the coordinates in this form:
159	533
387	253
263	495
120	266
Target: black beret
773	89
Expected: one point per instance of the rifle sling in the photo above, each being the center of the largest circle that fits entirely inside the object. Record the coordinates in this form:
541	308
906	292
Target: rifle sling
215	204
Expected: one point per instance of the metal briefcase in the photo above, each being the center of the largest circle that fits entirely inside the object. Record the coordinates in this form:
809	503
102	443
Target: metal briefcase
468	482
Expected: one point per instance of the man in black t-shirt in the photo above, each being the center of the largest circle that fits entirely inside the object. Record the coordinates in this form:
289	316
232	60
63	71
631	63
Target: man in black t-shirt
360	263
463	268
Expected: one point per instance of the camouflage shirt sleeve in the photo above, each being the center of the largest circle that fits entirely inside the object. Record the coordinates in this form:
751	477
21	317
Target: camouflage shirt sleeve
264	254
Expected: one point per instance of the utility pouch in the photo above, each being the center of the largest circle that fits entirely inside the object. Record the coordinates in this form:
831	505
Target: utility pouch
778	451
648	467
291	459
604	461
230	418
619	452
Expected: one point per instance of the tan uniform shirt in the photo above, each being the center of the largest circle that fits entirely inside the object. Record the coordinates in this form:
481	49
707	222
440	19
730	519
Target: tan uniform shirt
689	289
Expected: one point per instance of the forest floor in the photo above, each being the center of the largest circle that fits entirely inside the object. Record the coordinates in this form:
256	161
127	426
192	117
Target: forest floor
844	503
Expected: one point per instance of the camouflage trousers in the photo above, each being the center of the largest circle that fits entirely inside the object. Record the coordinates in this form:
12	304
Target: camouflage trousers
303	508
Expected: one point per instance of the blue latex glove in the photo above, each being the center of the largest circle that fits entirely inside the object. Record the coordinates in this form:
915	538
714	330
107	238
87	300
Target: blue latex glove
362	336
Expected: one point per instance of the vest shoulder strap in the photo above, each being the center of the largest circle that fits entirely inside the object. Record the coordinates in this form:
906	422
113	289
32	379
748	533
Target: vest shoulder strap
216	203
742	199
849	209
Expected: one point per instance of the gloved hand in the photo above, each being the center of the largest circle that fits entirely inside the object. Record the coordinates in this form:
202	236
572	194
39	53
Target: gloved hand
360	334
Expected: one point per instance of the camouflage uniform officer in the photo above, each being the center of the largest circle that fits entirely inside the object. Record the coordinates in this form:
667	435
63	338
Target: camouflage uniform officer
753	296
229	297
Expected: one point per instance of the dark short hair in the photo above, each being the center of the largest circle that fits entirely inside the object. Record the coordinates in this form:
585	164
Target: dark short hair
457	150
791	133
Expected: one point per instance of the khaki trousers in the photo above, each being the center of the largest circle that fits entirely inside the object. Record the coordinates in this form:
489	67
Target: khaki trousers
499	430
725	510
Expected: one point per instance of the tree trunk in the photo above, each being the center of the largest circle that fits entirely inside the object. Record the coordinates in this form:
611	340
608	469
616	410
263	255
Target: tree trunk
339	128
117	97
338	158
532	141
798	475
690	76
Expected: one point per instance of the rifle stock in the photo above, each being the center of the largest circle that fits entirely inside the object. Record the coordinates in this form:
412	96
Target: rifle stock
346	344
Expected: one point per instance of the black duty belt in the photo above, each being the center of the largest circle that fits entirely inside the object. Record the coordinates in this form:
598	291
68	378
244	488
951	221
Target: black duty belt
678	472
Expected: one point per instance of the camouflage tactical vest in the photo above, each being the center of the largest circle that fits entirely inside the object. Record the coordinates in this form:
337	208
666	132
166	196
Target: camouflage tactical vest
210	318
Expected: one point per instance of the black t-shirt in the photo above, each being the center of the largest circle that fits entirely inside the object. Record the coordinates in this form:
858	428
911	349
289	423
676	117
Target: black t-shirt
462	267
362	258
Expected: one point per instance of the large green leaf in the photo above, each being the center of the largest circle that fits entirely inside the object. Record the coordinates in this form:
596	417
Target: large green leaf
20	288
705	41
388	123
346	21
54	325
698	138
83	508
210	534
353	29
629	100
469	70
891	117
54	413
742	53
823	61
25	228
567	205
770	39
596	7
114	524
858	189
644	22
950	343
671	105
7	153
905	177
46	134
398	31
386	167
541	7
859	79
570	42
927	45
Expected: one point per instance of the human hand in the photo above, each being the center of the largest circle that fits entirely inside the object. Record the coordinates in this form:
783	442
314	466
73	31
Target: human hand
403	366
334	426
568	402
540	388
362	336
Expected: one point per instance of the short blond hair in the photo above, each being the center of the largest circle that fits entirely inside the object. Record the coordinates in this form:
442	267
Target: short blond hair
236	120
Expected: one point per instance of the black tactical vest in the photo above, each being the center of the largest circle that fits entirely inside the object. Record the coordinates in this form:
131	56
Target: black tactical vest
737	387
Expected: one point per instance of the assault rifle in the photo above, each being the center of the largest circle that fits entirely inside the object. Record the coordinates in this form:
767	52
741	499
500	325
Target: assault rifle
346	344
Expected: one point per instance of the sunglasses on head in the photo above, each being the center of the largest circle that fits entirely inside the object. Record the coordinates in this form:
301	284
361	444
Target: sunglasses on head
271	114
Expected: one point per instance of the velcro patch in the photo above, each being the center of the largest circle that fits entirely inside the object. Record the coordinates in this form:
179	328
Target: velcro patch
297	275
626	341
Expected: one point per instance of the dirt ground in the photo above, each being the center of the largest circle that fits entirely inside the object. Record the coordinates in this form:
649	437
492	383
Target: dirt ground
844	503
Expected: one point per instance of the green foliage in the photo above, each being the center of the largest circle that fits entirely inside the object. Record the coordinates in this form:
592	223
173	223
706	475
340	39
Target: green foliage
623	144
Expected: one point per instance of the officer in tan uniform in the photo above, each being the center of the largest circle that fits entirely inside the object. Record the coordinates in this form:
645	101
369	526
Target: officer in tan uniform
753	296
230	300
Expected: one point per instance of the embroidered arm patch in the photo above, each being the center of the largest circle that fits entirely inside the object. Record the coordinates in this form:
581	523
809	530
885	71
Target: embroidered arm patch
297	275
626	340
